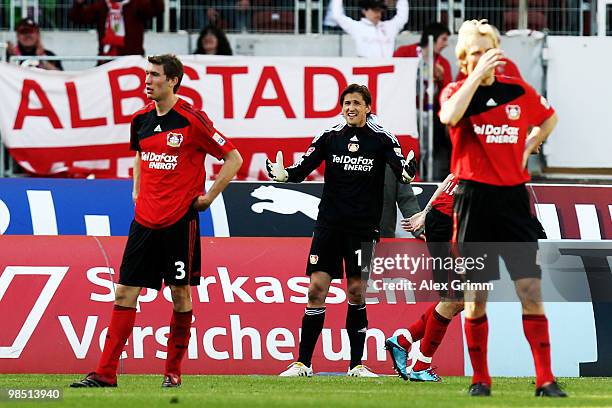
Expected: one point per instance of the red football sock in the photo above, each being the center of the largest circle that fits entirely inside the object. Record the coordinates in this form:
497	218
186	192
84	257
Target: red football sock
476	334
434	333
120	328
178	341
536	332
416	329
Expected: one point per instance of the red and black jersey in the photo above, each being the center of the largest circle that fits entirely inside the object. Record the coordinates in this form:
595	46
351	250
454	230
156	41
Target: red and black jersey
489	141
172	150
444	201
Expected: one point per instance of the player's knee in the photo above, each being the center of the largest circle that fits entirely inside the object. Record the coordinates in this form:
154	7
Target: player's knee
120	297
180	294
456	307
126	296
529	291
316	294
315	299
475	309
450	308
532	308
356	298
355	294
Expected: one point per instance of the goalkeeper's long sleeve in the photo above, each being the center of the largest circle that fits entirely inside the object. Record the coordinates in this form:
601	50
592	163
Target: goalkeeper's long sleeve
355	160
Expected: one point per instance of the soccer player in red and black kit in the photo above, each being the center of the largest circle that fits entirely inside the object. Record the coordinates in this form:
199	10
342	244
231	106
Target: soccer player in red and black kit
437	218
355	154
495	123
171	140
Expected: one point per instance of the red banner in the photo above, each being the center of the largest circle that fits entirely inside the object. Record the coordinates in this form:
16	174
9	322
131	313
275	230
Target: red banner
77	124
247	311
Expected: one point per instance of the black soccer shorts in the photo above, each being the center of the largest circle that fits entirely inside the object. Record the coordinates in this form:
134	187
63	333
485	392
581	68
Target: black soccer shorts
499	220
170	254
330	247
439	232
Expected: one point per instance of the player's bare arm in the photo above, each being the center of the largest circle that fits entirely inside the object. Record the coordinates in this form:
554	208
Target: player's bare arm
481	66
537	136
417	221
232	161
136	187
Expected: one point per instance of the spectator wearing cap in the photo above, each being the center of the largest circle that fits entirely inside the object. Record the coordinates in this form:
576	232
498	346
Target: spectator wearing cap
120	23
30	44
373	37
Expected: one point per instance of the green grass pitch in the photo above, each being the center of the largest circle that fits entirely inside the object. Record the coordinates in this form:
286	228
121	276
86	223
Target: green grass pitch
137	391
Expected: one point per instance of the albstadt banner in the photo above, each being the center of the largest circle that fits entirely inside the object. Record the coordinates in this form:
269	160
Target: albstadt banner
77	123
247	310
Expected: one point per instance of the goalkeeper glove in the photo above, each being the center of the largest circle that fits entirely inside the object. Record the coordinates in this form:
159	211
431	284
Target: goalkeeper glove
276	171
410	168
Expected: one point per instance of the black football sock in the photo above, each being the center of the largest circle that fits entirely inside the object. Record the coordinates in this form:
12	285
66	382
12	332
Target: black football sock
312	324
356	327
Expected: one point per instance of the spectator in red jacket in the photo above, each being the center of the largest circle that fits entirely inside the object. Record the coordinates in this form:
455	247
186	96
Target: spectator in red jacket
442	69
120	23
442	76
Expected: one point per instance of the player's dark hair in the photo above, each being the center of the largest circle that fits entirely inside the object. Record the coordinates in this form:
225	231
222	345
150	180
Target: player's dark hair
360	89
435	30
173	67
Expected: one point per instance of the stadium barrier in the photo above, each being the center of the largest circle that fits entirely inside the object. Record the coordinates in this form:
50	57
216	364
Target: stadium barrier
246	209
247	313
65	291
572	17
60	307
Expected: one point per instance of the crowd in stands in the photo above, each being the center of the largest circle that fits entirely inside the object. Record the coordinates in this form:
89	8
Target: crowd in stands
560	17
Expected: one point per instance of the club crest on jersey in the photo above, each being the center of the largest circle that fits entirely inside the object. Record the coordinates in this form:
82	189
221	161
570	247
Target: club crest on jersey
174	139
513	112
314	259
353	147
219	139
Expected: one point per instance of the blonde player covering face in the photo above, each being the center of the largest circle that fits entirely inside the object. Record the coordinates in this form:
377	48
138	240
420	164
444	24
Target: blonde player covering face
495	122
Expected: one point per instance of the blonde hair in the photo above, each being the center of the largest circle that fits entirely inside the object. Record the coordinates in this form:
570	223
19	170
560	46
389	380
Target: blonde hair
470	29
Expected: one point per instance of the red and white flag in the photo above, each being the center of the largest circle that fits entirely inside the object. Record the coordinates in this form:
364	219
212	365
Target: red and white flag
77	123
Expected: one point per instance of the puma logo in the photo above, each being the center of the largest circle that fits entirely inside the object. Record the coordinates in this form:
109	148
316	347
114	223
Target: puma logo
285	201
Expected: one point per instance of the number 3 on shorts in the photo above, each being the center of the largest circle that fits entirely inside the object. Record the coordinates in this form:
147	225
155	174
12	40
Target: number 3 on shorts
180	270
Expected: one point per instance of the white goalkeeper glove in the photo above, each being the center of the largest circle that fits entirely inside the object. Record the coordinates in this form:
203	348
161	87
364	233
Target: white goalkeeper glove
410	168
276	171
